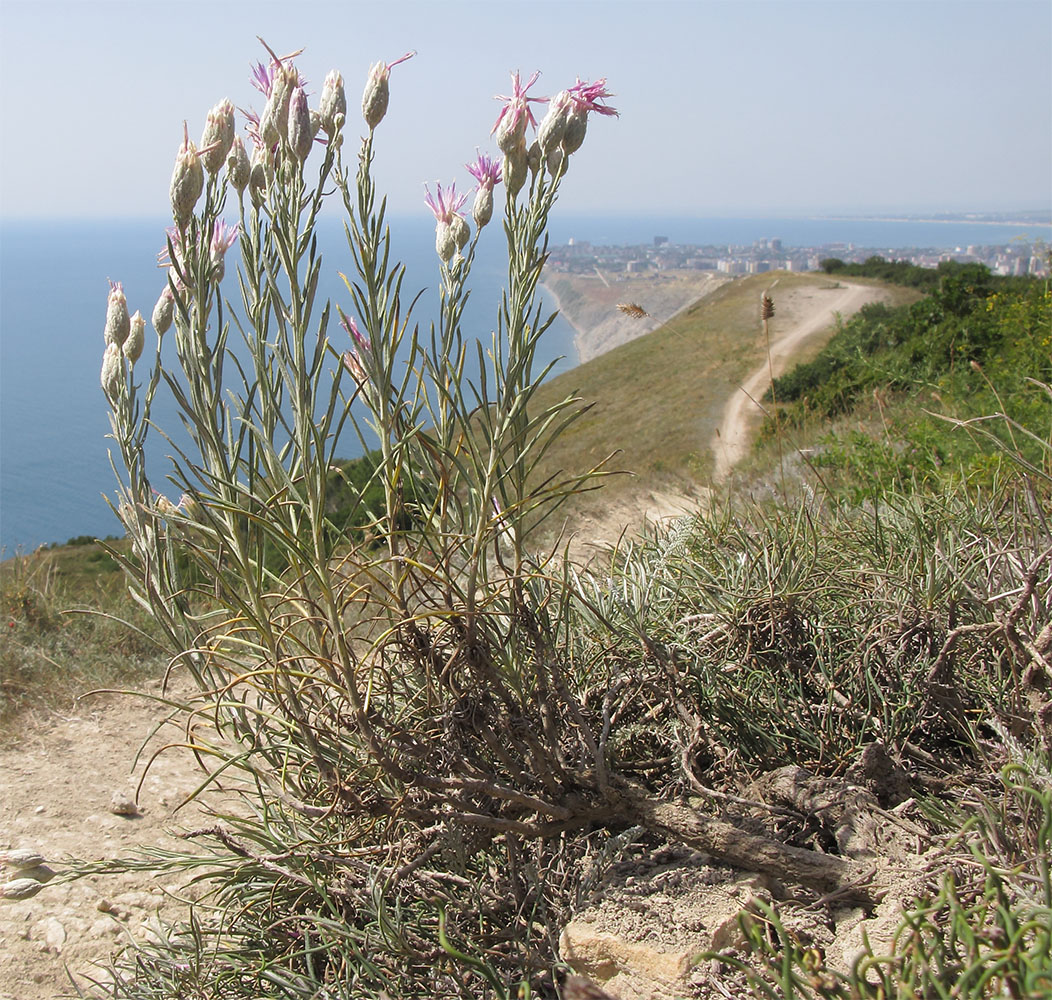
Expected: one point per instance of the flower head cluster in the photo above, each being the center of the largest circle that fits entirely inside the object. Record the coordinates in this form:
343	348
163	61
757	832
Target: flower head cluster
377	90
451	231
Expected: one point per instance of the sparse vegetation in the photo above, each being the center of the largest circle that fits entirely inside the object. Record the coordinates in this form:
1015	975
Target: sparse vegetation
68	626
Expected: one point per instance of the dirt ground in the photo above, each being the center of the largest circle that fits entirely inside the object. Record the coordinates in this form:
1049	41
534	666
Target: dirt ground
58	782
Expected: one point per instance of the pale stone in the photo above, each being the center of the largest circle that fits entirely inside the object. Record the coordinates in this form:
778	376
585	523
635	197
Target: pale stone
54	935
122	804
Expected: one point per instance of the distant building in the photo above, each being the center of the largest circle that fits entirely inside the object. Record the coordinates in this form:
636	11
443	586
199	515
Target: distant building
660	241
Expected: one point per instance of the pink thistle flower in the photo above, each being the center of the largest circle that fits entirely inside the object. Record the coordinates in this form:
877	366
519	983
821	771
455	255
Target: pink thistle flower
445	206
263	75
353	363
488	174
510	126
377	90
485	171
223	237
349	324
451	231
586	97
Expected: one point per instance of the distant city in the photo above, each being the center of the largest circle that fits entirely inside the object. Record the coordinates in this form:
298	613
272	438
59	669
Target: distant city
578	257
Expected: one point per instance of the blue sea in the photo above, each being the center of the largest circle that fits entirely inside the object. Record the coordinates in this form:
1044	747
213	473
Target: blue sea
54	469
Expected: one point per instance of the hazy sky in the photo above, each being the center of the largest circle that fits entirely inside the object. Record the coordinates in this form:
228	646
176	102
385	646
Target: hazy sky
726	107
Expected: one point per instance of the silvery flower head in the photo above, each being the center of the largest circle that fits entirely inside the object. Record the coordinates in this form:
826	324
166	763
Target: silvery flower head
333	102
301	138
218	136
258	176
377	91
112	371
188	180
238	167
163	312
487	173
553	126
510	126
118	322
586	98
514	170
274	121
136	338
223	237
446	207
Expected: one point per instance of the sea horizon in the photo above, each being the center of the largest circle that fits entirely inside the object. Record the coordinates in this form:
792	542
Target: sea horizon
53	285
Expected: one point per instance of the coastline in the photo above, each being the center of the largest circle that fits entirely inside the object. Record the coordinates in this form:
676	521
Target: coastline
589	303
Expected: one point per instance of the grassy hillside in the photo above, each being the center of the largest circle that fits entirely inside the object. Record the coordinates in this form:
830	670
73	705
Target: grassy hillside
881	404
657	401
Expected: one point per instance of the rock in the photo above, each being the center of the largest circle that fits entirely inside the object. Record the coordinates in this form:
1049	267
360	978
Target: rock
600	955
122	804
878	773
54	935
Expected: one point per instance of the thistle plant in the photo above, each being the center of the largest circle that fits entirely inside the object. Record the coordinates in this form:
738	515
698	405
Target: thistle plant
401	690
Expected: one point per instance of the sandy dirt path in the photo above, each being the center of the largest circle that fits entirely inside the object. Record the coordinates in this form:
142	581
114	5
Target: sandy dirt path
56	786
799	316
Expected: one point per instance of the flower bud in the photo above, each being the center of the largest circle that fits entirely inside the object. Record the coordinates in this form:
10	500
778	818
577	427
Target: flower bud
299	130
238	168
534	157
353	363
218	136
257	183
553	126
377	91
22	857
576	125
164	506
514	170
482	209
223	237
333	102
445	242
460	231
20	888
556	162
136	338
190	506
118	322
188	181
274	122
112	370
511	134
163	312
